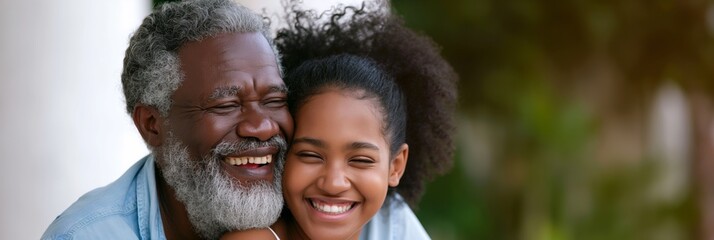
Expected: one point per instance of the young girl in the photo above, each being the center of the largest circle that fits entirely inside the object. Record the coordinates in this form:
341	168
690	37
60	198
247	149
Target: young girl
348	147
368	96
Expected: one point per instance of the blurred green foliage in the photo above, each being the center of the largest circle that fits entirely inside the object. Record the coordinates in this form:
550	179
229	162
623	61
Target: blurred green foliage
541	83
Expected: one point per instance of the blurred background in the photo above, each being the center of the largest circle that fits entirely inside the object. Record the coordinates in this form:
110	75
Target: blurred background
576	119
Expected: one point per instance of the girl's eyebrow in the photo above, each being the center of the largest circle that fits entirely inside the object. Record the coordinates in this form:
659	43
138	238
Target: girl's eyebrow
321	144
311	141
359	145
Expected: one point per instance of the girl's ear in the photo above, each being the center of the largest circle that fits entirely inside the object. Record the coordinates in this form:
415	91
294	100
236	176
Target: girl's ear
398	164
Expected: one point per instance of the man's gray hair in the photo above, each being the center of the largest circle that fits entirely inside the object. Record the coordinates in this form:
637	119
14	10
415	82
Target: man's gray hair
151	66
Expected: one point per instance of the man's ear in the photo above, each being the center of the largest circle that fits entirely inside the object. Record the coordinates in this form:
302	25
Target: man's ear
149	122
398	164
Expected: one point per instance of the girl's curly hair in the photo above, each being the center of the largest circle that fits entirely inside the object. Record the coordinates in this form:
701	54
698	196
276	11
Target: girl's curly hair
413	60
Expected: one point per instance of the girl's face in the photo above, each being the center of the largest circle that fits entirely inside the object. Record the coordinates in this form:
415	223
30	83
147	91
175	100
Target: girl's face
338	168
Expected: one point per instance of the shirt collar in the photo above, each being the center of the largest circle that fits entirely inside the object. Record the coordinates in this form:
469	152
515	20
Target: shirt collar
147	200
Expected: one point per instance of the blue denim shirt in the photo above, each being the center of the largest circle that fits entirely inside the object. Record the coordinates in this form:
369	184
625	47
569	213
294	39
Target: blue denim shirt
128	208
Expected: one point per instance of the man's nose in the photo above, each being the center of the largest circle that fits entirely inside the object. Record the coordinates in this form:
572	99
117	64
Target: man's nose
256	124
334	181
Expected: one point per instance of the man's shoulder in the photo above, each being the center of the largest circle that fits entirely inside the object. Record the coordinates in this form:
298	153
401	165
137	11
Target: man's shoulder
107	211
94	223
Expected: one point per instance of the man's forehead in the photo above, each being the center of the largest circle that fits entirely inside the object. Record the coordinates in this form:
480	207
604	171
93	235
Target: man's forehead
231	56
250	47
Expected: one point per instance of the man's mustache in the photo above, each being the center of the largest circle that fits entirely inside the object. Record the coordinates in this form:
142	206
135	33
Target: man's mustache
226	148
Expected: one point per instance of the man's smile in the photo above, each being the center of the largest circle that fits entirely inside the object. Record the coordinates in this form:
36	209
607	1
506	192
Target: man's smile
249	161
249	168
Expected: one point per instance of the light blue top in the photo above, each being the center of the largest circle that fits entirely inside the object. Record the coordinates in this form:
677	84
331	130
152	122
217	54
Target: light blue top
128	208
395	220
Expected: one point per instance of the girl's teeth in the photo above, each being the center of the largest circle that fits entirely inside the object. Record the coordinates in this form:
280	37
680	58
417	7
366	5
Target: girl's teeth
331	209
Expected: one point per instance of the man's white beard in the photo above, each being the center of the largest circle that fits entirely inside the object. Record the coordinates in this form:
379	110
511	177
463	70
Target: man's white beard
214	202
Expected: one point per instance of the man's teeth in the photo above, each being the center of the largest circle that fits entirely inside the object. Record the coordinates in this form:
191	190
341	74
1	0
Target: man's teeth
245	160
331	209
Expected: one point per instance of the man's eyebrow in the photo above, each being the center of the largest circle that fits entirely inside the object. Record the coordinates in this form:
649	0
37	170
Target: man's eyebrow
278	88
310	141
224	91
360	145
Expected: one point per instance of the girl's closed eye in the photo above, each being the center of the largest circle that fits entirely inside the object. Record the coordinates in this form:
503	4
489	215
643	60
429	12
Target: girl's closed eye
362	161
309	156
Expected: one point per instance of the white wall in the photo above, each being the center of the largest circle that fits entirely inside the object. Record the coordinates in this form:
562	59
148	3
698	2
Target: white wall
63	130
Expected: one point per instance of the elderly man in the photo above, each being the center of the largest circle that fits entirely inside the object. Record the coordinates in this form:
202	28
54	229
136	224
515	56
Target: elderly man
203	85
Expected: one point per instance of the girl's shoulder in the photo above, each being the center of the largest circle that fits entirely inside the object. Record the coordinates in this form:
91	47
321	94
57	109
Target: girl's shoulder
394	221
